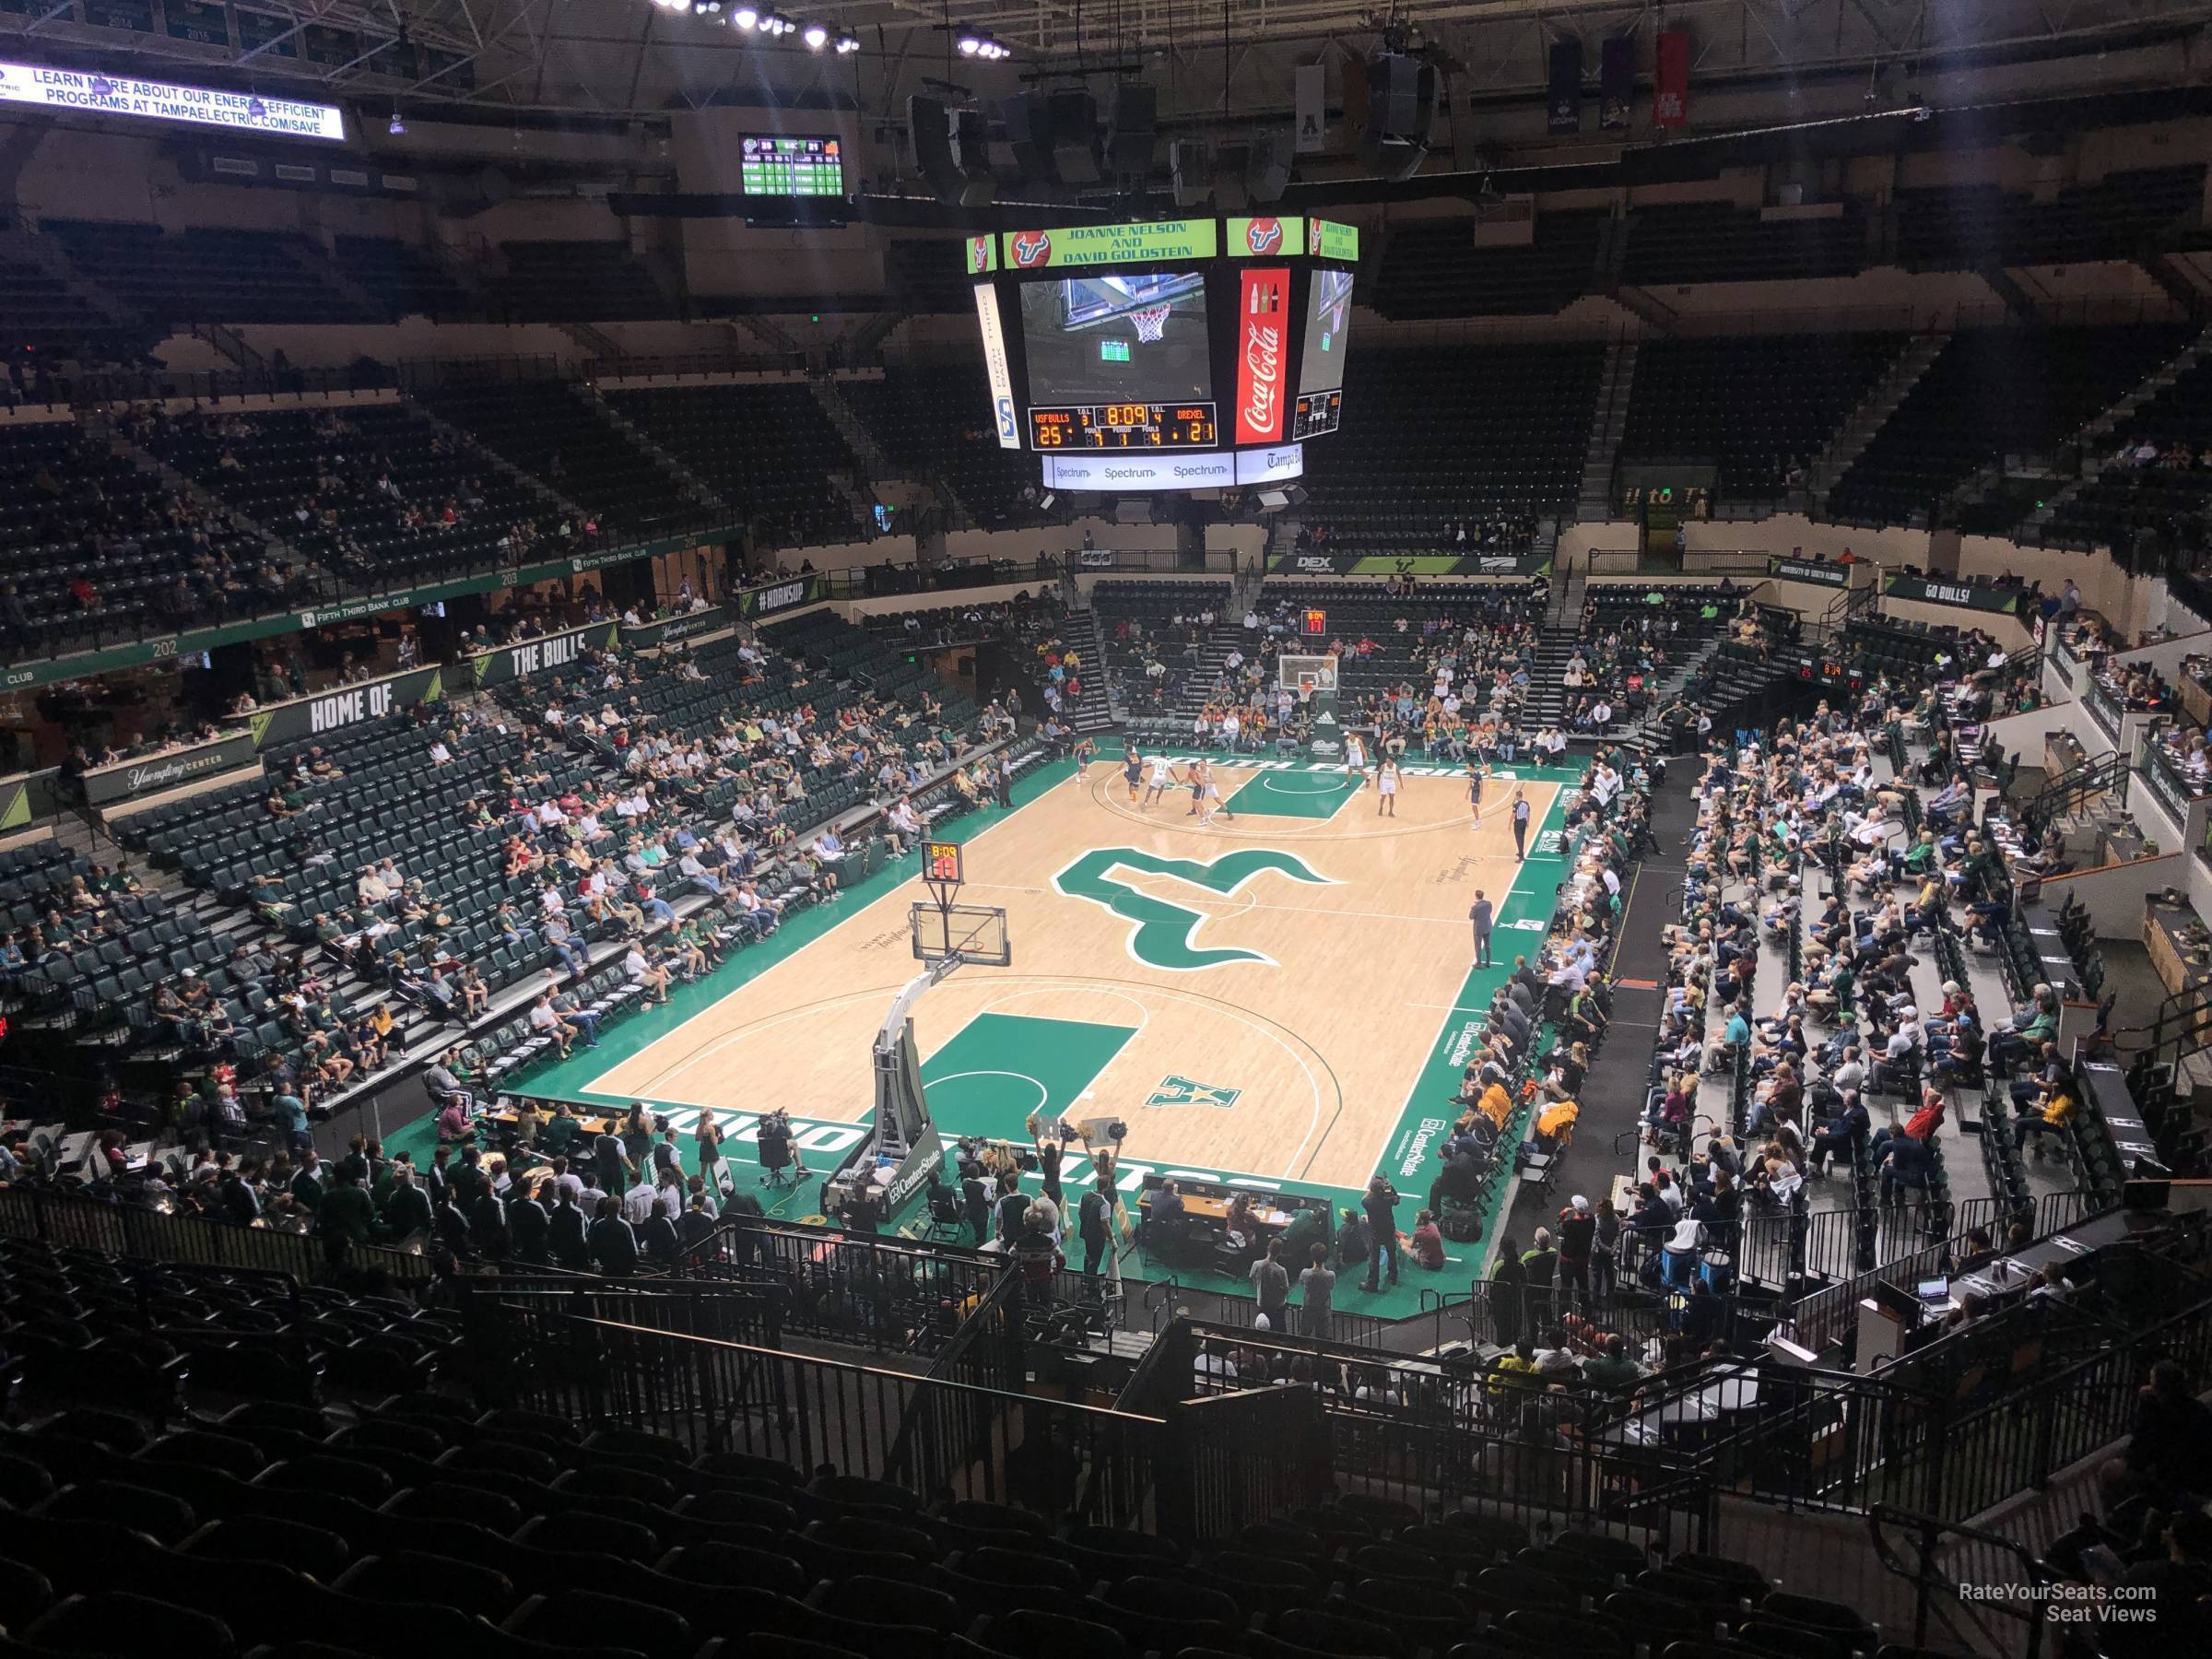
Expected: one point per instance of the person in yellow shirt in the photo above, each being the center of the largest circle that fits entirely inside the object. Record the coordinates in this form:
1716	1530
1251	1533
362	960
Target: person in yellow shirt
1513	1371
1554	1123
1496	1104
2053	1114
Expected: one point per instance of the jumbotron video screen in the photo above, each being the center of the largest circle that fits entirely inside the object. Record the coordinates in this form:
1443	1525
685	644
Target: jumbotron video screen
1187	354
1117	338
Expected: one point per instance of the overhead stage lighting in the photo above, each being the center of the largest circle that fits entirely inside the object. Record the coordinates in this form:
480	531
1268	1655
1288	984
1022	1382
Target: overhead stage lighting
971	45
847	41
746	17
816	37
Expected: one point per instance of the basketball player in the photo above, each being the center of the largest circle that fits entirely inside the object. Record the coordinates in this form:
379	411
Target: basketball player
1133	771
1355	757
1085	751
1205	795
1386	788
1196	778
1209	794
1475	782
1163	774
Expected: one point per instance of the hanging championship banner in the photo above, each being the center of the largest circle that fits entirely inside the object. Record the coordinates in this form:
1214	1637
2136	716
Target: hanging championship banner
1263	303
1310	96
995	369
1616	82
1670	79
1566	104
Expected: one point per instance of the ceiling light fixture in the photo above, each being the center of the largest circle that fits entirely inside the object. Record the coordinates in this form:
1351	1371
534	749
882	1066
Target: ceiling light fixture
746	17
816	37
847	42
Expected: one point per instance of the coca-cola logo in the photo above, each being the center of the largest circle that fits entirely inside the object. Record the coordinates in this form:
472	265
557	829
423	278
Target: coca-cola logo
1264	369
1030	248
1264	235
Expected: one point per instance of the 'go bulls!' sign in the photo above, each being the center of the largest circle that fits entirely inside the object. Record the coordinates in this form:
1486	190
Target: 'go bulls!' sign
1263	366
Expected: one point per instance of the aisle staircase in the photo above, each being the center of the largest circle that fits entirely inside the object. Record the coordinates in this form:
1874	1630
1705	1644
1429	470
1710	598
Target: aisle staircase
1092	712
686	482
2094	440
1608	424
1851	439
1213	653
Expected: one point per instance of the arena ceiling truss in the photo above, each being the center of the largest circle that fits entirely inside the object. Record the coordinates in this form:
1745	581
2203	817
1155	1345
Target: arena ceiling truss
633	57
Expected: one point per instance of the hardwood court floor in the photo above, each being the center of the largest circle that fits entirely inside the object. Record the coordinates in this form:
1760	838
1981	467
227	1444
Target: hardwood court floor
1256	996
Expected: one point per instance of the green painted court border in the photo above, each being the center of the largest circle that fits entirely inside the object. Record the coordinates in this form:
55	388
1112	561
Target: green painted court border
1438	1079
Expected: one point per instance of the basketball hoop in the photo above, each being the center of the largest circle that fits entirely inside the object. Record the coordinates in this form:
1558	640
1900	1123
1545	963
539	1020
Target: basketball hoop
1151	323
1306	675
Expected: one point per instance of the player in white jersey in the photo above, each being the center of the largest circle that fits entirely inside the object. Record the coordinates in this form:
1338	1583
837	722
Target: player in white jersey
1163	774
1354	755
1386	788
1207	794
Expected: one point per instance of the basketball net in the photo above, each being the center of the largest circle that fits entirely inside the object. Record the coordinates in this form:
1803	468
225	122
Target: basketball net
1151	323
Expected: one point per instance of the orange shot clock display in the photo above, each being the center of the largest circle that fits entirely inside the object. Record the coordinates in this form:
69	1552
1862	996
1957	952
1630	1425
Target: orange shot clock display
941	861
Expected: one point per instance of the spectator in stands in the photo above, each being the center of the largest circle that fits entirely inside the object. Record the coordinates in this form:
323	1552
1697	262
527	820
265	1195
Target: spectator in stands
613	1243
2172	1443
2050	1111
406	1209
545	1022
1316	1290
1840	1134
645	973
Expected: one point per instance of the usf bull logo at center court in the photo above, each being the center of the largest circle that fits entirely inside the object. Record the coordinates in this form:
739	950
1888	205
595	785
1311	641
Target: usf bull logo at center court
1162	935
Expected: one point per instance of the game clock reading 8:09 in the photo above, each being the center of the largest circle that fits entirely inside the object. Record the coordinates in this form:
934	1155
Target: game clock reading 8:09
1123	426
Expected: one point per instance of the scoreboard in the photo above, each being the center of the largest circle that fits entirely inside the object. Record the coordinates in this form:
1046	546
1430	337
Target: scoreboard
1123	426
1192	355
769	165
1315	414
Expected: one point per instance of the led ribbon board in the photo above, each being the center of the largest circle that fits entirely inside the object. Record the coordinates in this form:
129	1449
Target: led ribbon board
65	90
1172	241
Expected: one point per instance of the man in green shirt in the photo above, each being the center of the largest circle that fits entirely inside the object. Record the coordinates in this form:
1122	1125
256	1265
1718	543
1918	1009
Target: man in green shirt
307	1184
1299	1239
1613	1370
407	1210
347	1211
559	1133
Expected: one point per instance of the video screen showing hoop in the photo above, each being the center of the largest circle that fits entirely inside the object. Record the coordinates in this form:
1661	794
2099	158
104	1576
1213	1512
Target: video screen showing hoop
974	933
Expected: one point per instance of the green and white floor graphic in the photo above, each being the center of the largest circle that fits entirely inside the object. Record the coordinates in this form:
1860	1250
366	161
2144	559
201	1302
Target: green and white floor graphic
996	1069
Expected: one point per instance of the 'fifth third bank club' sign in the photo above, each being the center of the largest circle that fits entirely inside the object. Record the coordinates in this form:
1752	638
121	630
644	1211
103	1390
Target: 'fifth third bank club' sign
1111	244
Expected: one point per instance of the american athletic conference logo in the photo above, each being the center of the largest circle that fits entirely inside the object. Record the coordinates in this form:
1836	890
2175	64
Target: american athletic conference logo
1264	235
1031	249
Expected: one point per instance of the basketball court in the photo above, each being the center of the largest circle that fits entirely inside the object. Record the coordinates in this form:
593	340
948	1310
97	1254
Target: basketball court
1285	995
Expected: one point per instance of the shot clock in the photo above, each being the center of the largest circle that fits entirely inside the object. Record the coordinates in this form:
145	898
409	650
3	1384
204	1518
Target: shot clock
941	862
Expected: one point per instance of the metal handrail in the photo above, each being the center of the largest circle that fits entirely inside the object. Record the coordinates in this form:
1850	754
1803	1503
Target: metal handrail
1929	1533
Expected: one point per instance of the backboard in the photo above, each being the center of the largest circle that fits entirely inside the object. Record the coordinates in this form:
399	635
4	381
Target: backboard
1307	675
974	933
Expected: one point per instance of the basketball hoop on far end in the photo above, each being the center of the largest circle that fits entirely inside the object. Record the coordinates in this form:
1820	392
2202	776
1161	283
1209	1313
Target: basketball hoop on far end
1312	679
1305	676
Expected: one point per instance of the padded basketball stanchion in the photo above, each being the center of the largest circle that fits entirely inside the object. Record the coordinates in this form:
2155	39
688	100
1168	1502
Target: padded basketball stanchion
1313	679
944	936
